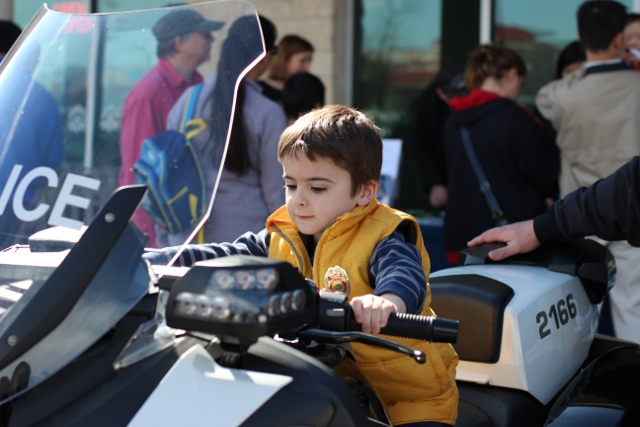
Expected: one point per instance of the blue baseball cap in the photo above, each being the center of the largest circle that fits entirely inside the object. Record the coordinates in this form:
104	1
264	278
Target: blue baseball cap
183	21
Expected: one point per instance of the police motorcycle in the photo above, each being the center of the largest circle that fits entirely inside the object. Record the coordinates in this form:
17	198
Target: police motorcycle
91	334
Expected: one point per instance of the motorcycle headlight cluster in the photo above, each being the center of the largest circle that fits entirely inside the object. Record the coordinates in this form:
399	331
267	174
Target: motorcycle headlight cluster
239	297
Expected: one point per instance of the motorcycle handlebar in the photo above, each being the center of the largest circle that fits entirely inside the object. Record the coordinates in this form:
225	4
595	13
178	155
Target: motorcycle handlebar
334	313
428	328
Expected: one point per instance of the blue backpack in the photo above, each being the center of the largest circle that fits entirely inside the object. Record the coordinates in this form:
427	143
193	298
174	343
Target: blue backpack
169	167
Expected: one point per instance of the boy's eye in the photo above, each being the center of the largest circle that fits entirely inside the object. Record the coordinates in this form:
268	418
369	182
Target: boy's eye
290	187
317	189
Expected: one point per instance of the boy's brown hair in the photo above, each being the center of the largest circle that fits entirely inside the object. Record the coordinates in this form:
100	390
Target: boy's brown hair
341	134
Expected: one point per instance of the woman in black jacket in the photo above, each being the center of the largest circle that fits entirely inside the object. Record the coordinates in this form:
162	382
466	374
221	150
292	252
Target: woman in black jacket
519	159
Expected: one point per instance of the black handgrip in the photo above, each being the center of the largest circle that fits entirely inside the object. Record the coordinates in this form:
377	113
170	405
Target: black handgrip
428	328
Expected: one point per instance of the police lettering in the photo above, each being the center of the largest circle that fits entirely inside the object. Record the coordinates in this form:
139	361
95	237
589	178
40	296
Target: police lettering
65	197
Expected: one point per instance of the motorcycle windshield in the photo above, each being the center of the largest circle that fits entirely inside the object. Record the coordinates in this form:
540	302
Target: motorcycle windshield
82	94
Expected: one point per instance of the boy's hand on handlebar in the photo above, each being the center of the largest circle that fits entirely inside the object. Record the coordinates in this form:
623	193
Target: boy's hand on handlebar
519	237
373	311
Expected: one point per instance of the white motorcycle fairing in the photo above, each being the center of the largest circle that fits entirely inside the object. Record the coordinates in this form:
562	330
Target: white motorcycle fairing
198	391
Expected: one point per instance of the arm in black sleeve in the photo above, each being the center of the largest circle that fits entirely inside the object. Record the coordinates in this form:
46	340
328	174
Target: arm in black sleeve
609	209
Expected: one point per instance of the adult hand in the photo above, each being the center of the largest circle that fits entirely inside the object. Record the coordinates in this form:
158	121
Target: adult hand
519	237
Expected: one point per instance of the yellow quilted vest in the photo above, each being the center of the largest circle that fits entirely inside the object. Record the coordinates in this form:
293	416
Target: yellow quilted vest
411	392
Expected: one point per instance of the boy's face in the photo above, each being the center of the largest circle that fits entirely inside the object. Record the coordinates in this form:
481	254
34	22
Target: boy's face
631	36
319	192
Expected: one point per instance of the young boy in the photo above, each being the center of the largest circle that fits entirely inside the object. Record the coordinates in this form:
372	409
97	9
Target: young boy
331	159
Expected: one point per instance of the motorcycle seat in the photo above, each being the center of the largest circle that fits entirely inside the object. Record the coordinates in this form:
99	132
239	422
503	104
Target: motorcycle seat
478	303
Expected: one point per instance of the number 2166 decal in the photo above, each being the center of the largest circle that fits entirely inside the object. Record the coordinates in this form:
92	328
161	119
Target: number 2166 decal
559	313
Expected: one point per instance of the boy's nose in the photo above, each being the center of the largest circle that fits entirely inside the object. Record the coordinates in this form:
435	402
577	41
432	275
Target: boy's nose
299	199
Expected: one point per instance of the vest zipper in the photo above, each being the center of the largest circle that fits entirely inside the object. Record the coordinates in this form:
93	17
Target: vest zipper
293	248
313	263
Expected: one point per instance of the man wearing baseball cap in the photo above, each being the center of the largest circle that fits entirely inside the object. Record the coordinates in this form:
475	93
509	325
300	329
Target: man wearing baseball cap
184	43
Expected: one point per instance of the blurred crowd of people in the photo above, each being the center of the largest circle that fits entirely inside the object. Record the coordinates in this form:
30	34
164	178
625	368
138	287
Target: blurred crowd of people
585	126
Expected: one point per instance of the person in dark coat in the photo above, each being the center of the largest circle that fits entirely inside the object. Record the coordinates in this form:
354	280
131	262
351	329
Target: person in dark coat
518	157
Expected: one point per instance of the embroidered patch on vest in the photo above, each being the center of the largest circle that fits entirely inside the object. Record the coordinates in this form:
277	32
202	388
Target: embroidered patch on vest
336	280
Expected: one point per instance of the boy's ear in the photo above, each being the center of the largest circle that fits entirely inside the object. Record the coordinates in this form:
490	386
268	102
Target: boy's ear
367	193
